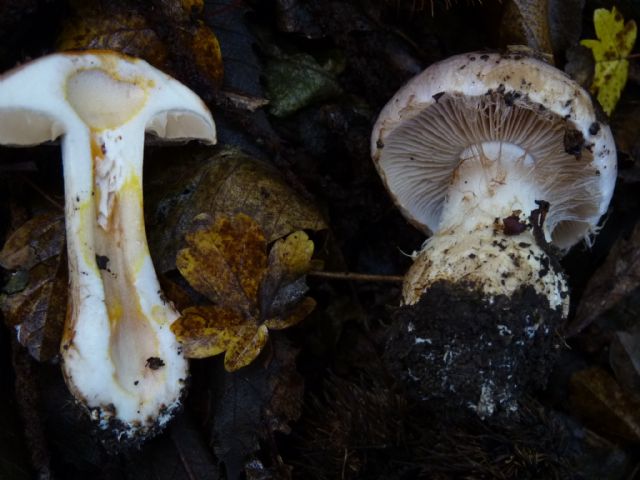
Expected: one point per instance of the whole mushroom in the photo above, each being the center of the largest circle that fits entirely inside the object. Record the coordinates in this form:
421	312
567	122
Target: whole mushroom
502	158
120	358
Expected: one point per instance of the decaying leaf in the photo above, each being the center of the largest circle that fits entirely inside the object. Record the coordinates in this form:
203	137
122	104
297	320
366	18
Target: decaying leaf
170	37
227	262
39	239
610	51
127	32
250	407
34	300
526	22
624	358
597	398
611	283
225	184
295	81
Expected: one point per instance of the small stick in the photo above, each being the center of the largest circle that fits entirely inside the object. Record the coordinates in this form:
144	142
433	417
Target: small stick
360	277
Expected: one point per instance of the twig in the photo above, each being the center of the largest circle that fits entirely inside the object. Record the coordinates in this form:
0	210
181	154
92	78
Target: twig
359	277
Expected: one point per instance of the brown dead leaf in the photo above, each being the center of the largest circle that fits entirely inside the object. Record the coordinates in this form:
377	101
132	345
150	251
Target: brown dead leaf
227	262
127	32
34	301
225	184
247	409
207	53
171	37
37	240
236	183
598	399
611	283
293	317
526	22
624	358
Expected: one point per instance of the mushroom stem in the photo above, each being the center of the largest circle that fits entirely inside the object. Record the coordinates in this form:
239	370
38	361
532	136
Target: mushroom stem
116	307
486	238
120	358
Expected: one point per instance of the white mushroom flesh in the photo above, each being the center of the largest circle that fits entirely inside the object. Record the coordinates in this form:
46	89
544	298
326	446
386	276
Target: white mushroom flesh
120	358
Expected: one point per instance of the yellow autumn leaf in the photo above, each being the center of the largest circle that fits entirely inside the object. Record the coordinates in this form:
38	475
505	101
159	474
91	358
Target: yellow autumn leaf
205	331
248	345
615	41
227	262
291	256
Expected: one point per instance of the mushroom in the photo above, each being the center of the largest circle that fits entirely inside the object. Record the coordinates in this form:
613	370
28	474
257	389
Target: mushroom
502	159
120	358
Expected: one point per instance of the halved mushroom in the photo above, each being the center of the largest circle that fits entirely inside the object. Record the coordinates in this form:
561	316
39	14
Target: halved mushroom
120	358
503	159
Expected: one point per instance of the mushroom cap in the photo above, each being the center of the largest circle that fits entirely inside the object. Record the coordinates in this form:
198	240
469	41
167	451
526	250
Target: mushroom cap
482	98
95	88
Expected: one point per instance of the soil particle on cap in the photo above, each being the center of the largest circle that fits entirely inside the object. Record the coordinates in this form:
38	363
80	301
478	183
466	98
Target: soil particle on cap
471	351
511	97
573	142
154	363
513	226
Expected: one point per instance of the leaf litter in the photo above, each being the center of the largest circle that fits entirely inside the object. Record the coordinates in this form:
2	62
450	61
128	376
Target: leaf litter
227	262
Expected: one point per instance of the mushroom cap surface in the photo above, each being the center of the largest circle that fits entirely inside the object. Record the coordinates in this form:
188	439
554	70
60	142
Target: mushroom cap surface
476	99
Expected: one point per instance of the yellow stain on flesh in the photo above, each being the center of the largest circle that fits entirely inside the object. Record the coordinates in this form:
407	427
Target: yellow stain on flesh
88	254
159	315
114	310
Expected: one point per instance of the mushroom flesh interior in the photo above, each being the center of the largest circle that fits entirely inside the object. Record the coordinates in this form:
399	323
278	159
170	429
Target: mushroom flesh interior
120	358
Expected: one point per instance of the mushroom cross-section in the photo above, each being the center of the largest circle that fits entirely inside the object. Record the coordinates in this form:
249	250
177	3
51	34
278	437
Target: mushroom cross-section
474	146
120	358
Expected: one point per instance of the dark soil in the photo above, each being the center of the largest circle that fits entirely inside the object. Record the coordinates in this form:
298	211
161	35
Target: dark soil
456	347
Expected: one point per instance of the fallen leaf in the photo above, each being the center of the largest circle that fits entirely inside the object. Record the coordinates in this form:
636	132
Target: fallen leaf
34	300
15	463
37	240
598	399
296	81
565	23
227	262
125	31
289	261
171	37
293	317
624	358
526	22
249	407
611	283
225	184
247	346
610	51
206	52
208	330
